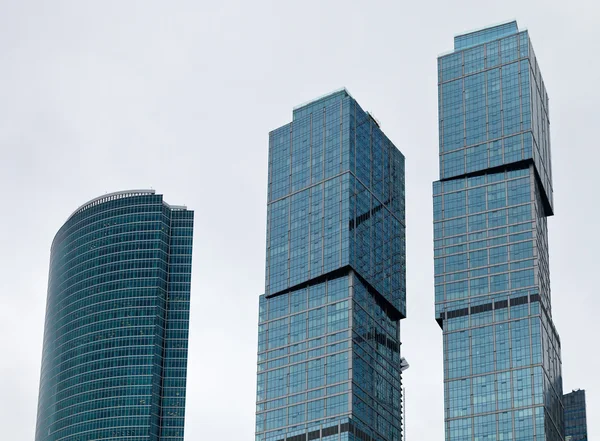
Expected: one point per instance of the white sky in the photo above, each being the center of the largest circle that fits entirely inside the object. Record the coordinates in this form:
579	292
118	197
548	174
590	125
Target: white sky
180	96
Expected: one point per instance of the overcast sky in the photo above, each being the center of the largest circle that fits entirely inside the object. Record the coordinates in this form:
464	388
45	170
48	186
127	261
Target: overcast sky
180	96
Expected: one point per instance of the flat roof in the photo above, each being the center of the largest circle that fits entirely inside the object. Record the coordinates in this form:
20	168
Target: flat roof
485	28
314	100
474	31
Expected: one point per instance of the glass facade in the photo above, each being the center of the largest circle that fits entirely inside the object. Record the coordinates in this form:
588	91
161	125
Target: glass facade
117	317
502	365
335	289
575	416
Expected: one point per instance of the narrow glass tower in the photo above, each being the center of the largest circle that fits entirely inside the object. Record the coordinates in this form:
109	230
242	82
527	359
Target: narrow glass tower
117	317
329	322
575	416
502	365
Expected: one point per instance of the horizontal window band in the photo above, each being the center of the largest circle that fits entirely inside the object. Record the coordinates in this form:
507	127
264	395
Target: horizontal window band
500	304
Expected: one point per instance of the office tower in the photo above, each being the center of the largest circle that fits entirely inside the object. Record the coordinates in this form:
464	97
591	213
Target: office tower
575	416
329	332
117	316
502	365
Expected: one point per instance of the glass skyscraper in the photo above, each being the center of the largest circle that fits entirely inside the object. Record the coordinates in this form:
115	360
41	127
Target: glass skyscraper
117	316
329	365
502	365
575	416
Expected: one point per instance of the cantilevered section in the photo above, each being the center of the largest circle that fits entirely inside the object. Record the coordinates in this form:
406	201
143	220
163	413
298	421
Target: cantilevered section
502	362
491	127
335	282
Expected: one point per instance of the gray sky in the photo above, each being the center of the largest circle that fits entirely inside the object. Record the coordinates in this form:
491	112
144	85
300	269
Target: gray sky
180	96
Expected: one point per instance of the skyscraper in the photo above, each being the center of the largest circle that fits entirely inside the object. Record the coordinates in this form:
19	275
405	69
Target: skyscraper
117	317
502	365
329	332
575	416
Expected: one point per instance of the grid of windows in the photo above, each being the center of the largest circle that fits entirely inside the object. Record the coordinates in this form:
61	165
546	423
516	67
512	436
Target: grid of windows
335	198
115	341
575	416
502	366
329	330
493	108
488	34
304	357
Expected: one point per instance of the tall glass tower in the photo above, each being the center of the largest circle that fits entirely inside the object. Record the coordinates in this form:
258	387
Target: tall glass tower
575	416
329	363
502	365
117	317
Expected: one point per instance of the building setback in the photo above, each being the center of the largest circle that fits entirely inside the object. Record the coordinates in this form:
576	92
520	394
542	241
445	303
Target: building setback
329	322
502	365
575	416
117	317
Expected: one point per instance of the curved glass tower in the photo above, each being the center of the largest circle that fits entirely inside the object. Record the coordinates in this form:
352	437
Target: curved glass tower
117	316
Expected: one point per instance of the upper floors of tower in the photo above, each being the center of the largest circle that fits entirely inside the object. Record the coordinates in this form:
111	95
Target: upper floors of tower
335	199
493	106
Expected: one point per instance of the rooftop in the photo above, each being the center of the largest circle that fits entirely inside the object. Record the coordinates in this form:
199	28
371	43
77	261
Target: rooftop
469	39
482	35
342	90
119	195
